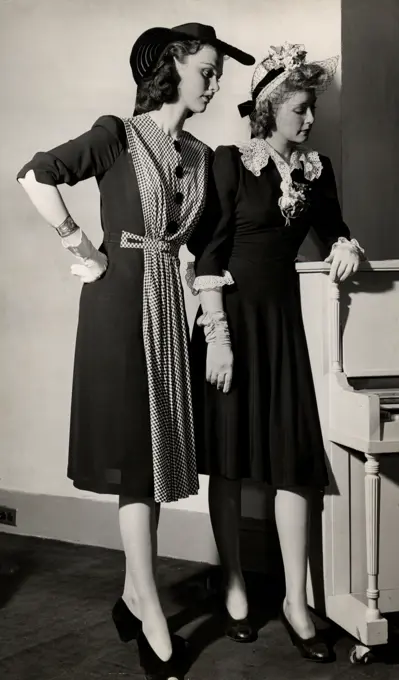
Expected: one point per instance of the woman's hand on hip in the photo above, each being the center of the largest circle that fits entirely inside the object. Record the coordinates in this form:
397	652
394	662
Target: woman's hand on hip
91	269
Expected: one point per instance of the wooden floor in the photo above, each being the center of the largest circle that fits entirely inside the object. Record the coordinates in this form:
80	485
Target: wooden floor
56	625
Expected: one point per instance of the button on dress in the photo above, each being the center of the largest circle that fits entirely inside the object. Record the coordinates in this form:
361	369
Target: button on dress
131	429
267	427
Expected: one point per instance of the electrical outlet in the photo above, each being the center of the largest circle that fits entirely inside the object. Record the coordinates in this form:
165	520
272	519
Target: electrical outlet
8	516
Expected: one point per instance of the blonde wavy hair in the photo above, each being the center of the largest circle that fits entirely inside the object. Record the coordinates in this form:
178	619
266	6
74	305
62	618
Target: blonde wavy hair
307	78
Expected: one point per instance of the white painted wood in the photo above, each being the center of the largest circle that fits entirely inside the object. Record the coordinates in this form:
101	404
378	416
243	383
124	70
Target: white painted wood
350	613
337	517
371	328
388	600
323	267
335	335
360	571
372	508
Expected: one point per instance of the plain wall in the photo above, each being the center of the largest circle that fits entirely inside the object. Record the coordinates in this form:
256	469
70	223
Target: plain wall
64	64
370	123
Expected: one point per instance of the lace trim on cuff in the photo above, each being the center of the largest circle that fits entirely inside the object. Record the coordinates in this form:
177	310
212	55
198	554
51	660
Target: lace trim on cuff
352	245
206	282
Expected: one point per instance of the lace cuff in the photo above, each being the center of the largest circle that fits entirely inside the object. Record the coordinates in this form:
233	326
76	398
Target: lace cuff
206	282
352	245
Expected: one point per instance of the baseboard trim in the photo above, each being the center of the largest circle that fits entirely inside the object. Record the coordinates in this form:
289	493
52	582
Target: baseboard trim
182	534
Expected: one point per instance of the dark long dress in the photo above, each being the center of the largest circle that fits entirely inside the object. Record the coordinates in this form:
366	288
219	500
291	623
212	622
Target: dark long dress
131	427
267	427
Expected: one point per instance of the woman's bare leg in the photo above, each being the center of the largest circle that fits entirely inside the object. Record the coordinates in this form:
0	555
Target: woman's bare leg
129	593
137	519
292	518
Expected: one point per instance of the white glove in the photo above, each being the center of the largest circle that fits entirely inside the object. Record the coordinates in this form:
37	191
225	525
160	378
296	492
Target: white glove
93	264
219	358
345	257
219	366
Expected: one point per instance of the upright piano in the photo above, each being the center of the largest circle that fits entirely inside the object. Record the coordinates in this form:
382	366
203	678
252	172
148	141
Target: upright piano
352	332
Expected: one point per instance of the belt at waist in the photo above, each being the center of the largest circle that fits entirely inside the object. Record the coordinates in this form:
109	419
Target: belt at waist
127	239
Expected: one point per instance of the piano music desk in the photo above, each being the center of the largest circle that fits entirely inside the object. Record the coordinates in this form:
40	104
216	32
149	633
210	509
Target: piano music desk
352	331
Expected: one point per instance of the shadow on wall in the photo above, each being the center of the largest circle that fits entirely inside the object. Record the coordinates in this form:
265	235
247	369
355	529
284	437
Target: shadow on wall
326	139
370	131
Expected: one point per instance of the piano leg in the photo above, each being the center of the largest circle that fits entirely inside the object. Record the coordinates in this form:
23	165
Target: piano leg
372	502
360	653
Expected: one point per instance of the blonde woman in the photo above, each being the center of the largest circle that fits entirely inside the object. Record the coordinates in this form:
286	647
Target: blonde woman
254	401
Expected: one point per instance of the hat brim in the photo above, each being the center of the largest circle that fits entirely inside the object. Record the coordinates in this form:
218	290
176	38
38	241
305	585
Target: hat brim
150	45
329	67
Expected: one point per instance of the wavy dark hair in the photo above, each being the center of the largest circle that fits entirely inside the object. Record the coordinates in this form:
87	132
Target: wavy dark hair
307	78
162	86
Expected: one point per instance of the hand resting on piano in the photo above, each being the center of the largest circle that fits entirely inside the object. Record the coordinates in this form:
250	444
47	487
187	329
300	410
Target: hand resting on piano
345	257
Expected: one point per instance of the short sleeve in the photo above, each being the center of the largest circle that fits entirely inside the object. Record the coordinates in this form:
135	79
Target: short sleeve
89	155
326	216
212	238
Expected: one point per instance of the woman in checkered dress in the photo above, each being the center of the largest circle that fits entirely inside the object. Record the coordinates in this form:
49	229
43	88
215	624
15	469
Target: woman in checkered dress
131	428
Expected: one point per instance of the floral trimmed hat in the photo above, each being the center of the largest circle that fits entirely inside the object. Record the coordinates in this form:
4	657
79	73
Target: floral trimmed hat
277	66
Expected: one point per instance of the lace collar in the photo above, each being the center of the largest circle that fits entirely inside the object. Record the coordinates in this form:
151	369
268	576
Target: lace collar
256	153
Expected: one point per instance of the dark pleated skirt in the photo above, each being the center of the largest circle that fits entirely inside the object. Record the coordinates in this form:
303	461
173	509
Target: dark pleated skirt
267	427
110	440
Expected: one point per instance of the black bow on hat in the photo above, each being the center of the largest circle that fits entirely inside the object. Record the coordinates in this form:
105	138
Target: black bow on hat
149	46
246	108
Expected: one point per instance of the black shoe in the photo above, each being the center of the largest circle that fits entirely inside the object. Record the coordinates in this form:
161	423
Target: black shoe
239	630
154	667
314	648
126	623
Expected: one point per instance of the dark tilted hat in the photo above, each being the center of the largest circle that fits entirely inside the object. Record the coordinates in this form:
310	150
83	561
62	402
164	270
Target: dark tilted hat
149	46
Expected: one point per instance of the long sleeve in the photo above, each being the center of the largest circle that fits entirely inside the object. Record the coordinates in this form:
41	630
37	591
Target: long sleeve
212	239
326	213
89	155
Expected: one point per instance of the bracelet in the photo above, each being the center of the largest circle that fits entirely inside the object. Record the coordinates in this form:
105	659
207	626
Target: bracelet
67	227
216	328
